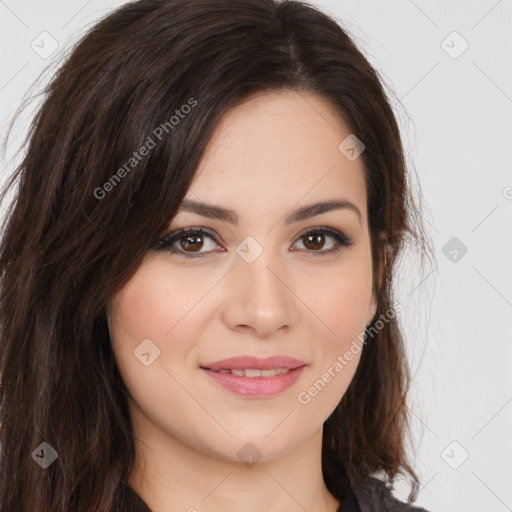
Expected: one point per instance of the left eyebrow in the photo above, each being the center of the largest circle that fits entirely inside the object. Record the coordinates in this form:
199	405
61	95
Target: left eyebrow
324	206
303	213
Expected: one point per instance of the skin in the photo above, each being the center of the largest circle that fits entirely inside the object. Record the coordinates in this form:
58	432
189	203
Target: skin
269	155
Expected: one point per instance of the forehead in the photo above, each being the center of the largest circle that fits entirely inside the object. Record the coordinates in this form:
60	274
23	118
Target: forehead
278	148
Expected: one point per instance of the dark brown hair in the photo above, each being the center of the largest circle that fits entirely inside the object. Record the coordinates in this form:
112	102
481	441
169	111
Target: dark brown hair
78	228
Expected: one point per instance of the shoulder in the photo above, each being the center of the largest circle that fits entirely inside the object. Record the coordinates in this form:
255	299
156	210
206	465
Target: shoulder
373	495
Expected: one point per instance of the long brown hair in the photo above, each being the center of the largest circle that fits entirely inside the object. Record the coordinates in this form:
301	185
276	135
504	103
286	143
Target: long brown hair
79	226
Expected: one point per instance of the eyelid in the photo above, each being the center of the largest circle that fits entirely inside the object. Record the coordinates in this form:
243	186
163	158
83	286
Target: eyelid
166	240
343	241
327	230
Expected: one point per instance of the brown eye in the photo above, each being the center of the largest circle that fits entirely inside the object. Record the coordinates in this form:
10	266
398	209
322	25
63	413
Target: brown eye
191	242
188	242
315	239
314	242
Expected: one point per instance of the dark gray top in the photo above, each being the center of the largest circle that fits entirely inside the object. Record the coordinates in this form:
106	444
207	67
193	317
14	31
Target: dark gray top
372	496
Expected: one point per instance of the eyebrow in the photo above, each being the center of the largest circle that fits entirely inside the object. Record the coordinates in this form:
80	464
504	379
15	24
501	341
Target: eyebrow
305	212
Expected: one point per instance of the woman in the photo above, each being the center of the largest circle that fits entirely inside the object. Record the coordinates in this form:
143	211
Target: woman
196	303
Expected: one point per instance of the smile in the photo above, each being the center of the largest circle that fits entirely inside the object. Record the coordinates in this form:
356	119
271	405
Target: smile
253	383
253	372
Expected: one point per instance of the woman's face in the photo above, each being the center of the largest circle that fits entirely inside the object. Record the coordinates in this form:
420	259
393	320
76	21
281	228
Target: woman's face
256	285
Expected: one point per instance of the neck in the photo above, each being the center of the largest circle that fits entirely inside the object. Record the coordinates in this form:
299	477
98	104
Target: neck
170	474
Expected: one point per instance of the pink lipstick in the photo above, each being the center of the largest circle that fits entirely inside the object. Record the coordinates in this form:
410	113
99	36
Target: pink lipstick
255	377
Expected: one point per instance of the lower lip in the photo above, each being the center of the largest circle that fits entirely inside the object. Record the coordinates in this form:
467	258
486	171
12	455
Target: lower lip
255	386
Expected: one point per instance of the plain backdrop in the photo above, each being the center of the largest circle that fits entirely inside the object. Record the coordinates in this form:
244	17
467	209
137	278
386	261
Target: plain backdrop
448	67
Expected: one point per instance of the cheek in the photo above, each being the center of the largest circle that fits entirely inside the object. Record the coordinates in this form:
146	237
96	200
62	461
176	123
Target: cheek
163	305
341	302
342	306
158	306
147	307
155	301
140	311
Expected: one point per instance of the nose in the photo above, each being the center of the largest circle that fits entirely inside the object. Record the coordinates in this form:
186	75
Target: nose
259	297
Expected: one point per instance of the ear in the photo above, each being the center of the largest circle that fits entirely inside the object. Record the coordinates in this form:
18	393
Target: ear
107	317
372	310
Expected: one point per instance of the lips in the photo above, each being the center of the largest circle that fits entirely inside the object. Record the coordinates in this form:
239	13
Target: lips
250	365
253	377
255	387
255	372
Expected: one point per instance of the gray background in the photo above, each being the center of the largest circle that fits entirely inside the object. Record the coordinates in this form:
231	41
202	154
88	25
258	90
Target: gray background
455	112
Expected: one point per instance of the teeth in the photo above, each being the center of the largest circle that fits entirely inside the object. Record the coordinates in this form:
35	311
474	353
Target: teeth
252	372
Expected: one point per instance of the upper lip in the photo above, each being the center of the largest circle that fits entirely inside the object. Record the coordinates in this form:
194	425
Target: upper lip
256	363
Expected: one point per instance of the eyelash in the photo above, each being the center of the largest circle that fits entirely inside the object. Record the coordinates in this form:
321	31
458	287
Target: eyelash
166	243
